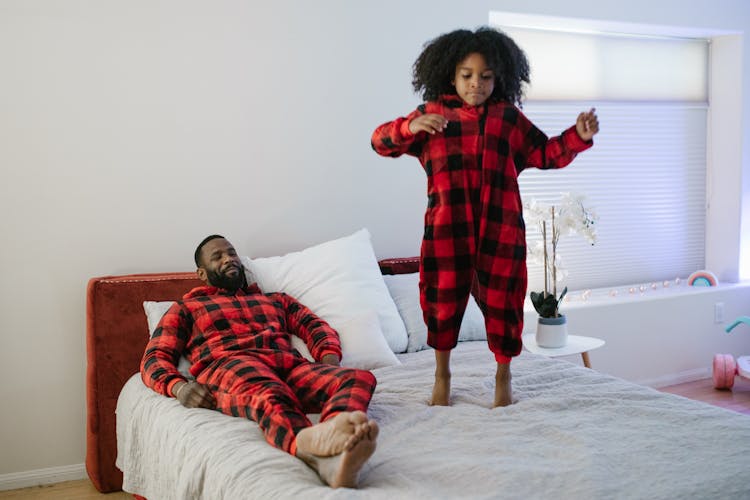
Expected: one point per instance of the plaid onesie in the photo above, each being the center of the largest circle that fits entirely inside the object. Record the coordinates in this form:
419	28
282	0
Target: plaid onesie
473	227
239	346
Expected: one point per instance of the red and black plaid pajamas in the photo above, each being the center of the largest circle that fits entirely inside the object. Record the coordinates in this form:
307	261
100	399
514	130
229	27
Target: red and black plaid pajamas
239	346
474	223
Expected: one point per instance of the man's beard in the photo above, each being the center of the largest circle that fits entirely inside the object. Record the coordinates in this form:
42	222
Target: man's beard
231	283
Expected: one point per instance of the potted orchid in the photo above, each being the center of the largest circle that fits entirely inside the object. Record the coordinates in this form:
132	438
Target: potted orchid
569	216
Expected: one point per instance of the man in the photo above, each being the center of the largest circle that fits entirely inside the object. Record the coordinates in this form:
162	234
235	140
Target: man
238	343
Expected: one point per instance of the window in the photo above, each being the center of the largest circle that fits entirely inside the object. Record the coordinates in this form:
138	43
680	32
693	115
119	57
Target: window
646	175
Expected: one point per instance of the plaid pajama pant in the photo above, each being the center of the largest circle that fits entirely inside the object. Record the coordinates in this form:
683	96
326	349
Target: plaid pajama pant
474	234
278	388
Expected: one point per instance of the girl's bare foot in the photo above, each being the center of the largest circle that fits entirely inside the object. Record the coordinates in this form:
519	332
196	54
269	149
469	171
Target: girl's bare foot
441	391
332	436
503	389
342	470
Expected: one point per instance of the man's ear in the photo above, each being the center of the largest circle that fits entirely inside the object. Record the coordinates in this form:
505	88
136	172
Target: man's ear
201	272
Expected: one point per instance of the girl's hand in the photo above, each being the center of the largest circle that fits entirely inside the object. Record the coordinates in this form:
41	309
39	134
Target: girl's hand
430	123
587	125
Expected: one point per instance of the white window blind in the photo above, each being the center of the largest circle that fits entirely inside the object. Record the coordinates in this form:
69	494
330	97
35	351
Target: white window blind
613	67
644	177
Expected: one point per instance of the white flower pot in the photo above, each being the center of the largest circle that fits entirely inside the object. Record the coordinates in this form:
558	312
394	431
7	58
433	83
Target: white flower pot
552	332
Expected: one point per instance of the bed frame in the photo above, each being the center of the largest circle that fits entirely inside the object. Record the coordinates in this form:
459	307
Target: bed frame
116	336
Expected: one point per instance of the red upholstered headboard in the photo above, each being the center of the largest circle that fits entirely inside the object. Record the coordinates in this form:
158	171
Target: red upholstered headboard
116	336
399	265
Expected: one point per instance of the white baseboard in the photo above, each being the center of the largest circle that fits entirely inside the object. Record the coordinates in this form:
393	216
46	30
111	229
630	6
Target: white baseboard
42	476
677	378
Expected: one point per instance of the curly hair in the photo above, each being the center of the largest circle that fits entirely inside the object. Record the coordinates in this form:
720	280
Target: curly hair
435	67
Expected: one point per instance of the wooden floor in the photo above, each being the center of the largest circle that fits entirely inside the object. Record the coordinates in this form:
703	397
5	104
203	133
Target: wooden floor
69	490
737	399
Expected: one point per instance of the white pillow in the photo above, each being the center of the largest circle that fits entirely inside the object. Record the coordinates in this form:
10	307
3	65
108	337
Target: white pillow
300	345
154	312
362	344
338	280
404	288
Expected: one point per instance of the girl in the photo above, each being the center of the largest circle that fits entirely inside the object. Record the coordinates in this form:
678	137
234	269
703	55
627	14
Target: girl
473	142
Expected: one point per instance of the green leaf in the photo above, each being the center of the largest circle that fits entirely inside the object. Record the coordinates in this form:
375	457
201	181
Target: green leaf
546	304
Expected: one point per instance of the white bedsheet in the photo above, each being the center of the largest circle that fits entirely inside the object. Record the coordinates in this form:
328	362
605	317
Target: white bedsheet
573	433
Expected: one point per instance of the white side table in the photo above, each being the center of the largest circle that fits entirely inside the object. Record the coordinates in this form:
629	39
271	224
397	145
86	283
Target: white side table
576	345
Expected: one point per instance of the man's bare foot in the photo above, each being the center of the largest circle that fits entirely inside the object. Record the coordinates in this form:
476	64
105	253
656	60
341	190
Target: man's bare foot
503	389
441	391
342	470
334	435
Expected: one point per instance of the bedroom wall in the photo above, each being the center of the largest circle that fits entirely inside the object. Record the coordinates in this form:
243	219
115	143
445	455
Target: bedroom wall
131	129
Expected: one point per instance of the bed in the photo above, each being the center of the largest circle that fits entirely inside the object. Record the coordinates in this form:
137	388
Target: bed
572	432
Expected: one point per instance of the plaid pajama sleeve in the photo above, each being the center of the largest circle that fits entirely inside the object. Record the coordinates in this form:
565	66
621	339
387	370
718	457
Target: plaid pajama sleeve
539	151
320	338
159	363
394	138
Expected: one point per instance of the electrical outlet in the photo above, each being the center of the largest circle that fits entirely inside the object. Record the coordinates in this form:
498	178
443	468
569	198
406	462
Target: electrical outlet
719	312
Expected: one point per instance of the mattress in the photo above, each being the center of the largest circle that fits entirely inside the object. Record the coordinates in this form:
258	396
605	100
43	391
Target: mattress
572	433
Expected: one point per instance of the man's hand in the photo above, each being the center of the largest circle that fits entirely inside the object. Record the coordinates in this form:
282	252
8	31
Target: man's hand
193	395
331	359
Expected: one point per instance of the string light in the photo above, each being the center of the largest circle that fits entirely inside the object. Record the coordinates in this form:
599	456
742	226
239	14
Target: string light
642	289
